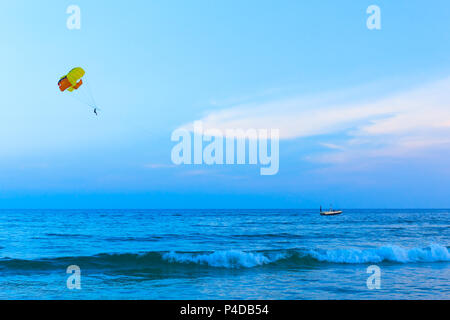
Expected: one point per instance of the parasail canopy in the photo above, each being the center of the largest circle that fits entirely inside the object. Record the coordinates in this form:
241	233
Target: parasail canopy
72	80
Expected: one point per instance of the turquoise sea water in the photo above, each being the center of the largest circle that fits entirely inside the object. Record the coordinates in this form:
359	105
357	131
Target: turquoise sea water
224	254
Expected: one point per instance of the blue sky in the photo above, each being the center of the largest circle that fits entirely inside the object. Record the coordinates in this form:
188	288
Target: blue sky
363	115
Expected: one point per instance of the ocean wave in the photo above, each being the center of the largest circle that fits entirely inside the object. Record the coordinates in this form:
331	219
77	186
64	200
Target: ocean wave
241	259
432	253
67	235
226	259
160	262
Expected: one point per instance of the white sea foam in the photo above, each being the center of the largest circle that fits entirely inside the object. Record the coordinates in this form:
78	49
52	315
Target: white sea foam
242	259
432	253
225	259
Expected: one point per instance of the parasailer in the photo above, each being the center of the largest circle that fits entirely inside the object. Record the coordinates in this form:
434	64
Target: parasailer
73	81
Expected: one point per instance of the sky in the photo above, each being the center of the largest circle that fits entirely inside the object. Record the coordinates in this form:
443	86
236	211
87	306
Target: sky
363	115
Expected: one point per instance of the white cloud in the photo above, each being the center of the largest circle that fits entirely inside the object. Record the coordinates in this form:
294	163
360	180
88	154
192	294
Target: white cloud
395	125
158	166
332	146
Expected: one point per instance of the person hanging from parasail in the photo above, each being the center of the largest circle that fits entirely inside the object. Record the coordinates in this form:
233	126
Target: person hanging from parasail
73	81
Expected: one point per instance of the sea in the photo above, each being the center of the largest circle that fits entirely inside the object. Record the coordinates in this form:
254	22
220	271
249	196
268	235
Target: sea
224	254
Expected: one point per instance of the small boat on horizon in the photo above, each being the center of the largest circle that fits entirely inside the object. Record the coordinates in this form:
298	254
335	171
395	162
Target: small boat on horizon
331	212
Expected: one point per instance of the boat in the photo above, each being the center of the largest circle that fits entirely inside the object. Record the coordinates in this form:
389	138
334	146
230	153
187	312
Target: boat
331	212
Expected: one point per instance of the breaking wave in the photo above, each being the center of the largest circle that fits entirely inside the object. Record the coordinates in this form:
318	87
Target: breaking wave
157	262
433	253
226	259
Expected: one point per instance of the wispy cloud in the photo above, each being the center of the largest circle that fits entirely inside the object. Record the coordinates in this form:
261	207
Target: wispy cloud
393	125
158	166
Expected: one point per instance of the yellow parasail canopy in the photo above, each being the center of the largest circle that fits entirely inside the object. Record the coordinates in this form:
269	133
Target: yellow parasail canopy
72	80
